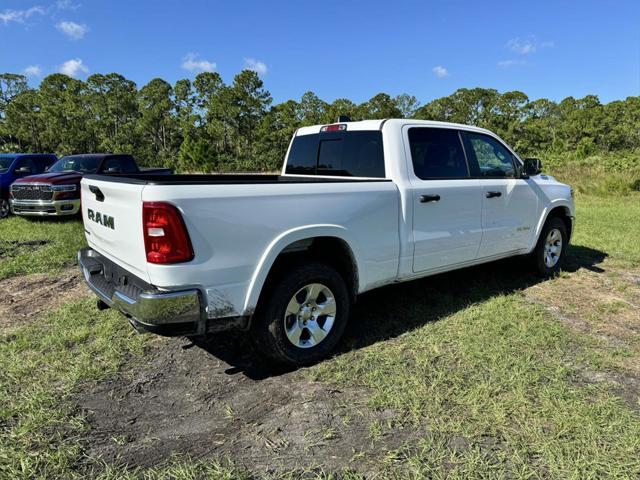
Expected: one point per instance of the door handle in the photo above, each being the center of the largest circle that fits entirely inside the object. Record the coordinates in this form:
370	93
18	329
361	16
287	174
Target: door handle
429	198
493	194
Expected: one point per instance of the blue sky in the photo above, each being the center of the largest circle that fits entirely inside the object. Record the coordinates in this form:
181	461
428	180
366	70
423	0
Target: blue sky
351	49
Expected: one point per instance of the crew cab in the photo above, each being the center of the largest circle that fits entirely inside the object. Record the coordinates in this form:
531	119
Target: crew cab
358	205
57	191
17	165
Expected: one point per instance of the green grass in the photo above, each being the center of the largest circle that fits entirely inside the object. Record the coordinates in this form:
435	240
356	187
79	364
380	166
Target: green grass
610	224
38	246
179	469
41	364
498	373
183	468
494	383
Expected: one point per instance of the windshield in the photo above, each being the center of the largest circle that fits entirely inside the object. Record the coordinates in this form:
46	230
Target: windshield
76	163
5	163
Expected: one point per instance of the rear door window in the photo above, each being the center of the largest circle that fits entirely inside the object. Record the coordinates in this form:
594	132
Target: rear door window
437	153
346	154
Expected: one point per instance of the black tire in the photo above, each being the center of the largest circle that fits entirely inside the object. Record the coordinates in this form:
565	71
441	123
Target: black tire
539	254
269	326
5	208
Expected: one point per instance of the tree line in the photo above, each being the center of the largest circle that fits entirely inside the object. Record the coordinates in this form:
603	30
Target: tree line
207	125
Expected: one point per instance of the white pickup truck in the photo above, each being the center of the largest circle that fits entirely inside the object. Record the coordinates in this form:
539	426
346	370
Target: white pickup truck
358	205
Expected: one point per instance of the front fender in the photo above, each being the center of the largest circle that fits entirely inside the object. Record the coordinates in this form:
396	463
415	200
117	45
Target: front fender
560	202
285	239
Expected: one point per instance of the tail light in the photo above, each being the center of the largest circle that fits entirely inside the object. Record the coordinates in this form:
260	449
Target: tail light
166	239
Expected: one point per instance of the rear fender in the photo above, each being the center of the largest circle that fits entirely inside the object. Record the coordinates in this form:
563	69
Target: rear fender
277	246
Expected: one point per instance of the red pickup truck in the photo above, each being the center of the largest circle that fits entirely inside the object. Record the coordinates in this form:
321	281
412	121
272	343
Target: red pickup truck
57	191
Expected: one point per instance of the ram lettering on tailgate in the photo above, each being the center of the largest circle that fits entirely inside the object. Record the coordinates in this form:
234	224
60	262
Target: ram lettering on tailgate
102	219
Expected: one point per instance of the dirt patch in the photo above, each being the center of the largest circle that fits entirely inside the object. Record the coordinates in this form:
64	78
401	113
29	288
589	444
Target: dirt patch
625	384
11	248
27	296
183	399
605	304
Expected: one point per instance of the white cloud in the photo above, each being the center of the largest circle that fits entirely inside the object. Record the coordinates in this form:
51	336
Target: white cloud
19	16
256	65
440	71
32	71
191	63
67	5
527	45
73	30
73	67
511	63
522	46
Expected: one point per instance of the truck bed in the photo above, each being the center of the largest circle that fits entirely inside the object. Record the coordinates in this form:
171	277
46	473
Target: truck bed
239	223
222	179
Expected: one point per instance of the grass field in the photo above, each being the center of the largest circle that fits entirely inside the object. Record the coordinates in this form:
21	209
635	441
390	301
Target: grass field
489	373
37	246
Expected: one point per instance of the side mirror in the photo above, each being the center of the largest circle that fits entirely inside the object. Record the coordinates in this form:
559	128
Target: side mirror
112	170
23	170
532	166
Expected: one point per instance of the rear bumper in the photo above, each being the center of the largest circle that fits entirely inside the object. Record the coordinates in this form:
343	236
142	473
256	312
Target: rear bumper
45	208
169	313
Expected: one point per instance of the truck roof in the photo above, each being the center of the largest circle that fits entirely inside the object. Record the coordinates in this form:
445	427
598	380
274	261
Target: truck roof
27	154
98	155
378	125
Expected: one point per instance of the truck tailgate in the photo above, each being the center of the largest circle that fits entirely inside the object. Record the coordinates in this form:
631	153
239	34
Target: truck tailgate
112	216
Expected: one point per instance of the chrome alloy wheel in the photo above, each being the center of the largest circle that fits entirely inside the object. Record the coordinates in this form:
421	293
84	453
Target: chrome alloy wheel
552	248
310	315
4	208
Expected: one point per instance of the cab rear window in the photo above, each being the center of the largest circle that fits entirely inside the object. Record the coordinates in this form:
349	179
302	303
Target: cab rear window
347	154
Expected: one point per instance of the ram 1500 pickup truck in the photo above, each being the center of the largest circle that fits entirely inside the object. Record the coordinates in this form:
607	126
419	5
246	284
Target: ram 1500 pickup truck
358	205
57	191
17	165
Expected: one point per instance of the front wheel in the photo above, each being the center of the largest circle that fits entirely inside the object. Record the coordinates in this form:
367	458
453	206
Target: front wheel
551	247
303	316
5	208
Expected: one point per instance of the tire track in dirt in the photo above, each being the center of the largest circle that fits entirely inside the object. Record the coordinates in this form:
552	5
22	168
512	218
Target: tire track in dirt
181	398
25	297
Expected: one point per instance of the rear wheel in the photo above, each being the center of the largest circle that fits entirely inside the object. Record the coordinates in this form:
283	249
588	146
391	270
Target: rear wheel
303	316
551	247
5	209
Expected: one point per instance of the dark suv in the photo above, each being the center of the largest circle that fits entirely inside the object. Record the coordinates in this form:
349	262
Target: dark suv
14	166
